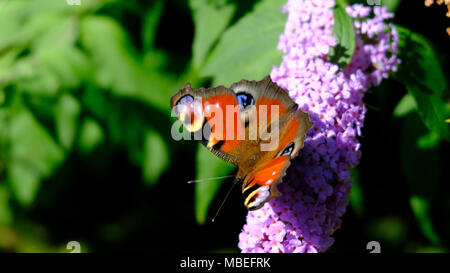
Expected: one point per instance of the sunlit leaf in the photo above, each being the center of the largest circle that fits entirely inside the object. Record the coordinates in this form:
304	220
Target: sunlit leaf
22	21
428	141
91	135
422	75
392	5
248	49
343	30
34	155
58	30
405	106
156	158
342	3
6	62
66	114
420	207
52	69
117	65
210	20
432	111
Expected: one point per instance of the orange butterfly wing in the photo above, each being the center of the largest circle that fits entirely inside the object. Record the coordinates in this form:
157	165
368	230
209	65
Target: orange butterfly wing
260	185
260	171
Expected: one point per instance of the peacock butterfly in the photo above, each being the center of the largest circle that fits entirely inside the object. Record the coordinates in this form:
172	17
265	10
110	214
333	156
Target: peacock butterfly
253	124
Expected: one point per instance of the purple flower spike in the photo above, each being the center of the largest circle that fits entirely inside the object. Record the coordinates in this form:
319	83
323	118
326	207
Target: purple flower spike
315	189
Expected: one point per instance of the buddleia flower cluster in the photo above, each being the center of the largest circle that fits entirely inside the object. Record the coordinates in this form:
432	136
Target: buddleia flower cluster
314	191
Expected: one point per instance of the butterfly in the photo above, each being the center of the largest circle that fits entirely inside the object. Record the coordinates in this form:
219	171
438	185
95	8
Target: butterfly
263	115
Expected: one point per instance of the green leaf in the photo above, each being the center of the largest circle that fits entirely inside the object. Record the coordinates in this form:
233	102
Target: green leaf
91	136
34	155
118	67
58	30
342	3
428	141
150	24
6	216
7	60
405	106
112	52
343	30
392	5
97	102
51	69
208	166
422	75
69	64
421	208
23	21
432	110
248	49
210	20
421	168
155	59
42	81
156	159
356	196
2	96
66	113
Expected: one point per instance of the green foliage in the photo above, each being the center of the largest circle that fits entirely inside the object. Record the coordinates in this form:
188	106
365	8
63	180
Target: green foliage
343	30
422	75
117	66
150	25
420	207
421	167
32	156
248	49
67	113
392	5
210	20
91	135
5	213
156	159
405	106
356	197
55	66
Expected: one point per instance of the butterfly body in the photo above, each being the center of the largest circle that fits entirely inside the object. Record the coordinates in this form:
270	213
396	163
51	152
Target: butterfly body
253	124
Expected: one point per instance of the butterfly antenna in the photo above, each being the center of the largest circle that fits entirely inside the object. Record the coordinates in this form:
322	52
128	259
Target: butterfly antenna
225	199
208	179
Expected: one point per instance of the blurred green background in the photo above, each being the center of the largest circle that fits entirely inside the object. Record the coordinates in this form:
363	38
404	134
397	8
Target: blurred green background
85	147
